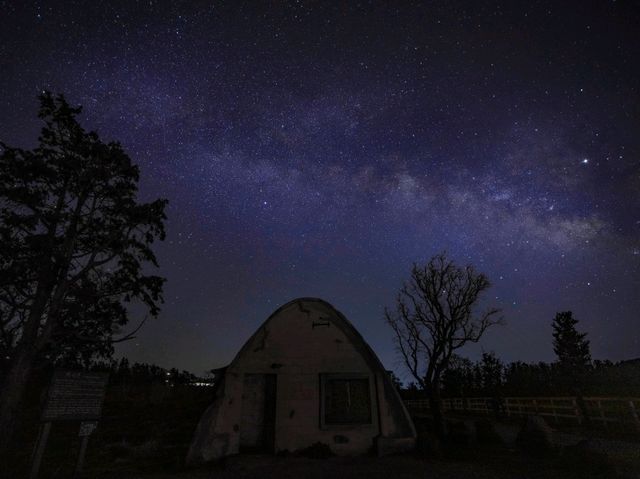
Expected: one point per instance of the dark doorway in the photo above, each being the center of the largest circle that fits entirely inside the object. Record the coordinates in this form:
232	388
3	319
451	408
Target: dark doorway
257	424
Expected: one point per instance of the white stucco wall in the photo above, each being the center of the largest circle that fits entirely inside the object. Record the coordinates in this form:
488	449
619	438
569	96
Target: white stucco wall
300	354
289	346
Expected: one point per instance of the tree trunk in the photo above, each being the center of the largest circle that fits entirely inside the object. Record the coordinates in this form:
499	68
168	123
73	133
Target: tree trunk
11	396
435	404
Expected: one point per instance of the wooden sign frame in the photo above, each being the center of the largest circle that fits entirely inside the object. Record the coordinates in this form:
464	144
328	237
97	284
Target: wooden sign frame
75	396
72	396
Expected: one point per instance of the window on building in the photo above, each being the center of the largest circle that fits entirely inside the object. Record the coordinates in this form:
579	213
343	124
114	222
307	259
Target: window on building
346	399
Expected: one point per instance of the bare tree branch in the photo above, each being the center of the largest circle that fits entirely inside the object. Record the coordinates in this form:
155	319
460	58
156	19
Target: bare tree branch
434	317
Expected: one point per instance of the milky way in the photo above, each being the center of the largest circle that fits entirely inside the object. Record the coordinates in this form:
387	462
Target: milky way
319	149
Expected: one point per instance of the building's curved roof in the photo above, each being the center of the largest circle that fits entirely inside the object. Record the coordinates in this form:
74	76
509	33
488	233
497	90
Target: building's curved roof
401	416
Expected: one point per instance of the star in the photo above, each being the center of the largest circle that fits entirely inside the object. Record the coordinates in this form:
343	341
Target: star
318	137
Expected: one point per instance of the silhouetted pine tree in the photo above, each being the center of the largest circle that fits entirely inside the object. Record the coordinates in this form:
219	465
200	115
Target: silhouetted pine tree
574	355
75	250
571	346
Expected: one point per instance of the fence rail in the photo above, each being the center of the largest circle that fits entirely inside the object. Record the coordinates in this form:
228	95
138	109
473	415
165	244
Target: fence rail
604	410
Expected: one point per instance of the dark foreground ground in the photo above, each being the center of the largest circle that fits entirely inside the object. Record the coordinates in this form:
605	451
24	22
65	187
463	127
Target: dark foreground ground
496	457
504	459
500	457
490	464
145	433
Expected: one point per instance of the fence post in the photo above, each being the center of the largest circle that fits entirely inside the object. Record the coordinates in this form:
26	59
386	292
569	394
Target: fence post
634	415
602	416
516	406
576	411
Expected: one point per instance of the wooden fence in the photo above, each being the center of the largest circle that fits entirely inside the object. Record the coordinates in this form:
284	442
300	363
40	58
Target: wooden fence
603	410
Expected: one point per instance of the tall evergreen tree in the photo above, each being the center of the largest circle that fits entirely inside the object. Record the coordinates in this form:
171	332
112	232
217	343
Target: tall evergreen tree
75	248
574	356
571	347
492	371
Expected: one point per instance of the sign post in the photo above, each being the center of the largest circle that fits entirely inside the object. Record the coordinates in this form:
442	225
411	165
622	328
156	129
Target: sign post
86	428
72	396
43	435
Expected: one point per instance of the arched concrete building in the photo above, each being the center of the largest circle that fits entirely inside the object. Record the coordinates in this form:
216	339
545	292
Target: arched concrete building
305	376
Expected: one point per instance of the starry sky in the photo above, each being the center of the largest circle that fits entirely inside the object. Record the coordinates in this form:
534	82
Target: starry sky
320	148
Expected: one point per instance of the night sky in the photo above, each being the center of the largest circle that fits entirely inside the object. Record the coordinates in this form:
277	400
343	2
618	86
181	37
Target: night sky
320	148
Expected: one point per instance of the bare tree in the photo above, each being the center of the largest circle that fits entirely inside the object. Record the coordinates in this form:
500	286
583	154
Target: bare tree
433	318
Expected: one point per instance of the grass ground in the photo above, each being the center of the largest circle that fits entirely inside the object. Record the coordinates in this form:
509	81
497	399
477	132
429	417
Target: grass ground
497	459
146	435
489	463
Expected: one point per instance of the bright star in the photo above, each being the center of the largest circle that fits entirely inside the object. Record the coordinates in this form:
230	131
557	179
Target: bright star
585	161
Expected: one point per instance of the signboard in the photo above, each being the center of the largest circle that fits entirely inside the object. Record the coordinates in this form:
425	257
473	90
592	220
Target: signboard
87	427
75	395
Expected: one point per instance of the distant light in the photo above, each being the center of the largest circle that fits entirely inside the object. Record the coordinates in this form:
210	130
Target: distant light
585	161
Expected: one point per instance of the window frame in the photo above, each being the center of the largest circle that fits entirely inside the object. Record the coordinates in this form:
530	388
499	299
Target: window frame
324	377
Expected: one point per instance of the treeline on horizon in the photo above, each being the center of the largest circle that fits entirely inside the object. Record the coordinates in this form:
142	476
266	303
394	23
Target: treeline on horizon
486	377
122	372
490	377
